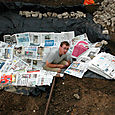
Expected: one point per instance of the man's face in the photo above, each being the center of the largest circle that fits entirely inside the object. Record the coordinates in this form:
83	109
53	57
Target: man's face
64	49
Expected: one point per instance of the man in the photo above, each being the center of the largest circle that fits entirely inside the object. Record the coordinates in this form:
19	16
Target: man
58	59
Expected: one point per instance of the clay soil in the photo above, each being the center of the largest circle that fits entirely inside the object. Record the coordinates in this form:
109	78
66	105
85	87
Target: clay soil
95	96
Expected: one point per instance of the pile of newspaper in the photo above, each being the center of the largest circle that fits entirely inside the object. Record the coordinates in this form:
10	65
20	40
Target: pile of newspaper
88	58
23	52
104	65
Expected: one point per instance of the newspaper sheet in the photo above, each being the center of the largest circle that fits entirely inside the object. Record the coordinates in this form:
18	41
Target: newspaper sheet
77	69
81	43
103	64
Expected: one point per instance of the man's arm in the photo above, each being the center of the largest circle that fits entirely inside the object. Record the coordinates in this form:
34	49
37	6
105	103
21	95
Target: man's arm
54	65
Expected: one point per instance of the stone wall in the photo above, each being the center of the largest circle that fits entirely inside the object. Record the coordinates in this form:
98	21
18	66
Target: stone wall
105	15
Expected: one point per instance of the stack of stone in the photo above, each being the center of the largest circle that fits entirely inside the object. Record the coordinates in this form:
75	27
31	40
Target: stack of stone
75	15
106	15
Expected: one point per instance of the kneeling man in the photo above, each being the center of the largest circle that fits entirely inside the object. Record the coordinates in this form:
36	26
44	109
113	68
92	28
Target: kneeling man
56	60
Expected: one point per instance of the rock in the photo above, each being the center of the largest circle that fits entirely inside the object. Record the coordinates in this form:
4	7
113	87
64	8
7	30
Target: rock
76	96
59	16
45	15
34	14
49	14
40	15
54	14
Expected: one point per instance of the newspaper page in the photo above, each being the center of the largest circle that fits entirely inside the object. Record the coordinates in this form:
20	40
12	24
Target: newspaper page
26	79
45	77
10	39
23	39
105	64
79	44
77	69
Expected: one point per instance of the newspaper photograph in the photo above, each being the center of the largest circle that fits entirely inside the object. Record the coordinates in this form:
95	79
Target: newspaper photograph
5	78
10	39
23	39
35	39
6	53
30	63
19	51
31	52
47	39
37	65
40	51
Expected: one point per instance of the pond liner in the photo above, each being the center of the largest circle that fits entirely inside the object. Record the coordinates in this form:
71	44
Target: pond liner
12	22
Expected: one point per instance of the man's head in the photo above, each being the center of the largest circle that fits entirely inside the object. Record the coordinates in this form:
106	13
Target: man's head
64	47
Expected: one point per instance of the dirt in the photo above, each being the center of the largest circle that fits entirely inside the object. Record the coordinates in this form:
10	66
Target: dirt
94	96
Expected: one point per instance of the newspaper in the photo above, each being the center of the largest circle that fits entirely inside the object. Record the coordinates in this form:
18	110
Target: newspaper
90	53
35	78
103	64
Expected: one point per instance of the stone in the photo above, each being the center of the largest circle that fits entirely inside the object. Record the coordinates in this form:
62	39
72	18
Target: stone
54	14
59	16
49	14
40	15
76	96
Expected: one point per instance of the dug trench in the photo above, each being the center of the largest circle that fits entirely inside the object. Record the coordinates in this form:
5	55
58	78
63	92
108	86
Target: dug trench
72	96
